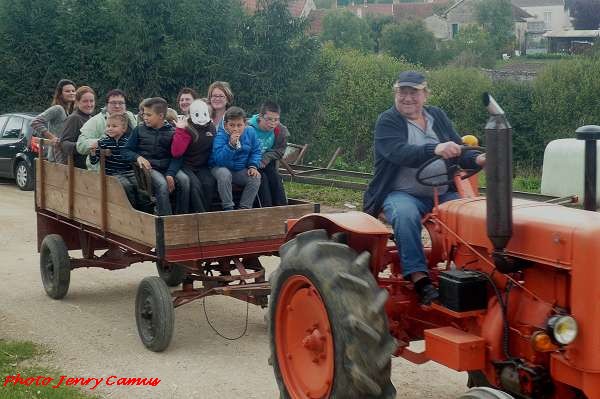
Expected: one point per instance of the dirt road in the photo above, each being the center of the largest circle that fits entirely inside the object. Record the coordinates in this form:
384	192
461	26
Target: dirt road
92	331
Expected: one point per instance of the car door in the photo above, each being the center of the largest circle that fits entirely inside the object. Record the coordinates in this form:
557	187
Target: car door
10	144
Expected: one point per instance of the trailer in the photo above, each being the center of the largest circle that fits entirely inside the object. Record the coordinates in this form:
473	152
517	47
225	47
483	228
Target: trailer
212	253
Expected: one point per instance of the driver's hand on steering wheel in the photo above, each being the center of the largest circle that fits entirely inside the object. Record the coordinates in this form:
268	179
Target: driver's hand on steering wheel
480	160
448	150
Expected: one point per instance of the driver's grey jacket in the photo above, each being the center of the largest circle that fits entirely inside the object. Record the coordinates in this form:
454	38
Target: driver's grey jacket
394	151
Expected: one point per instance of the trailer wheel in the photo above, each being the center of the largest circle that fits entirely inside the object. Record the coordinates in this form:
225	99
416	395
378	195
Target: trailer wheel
328	330
485	393
171	273
154	314
55	266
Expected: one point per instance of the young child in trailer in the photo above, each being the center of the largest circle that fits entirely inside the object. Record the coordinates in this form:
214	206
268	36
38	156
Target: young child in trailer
273	139
115	139
235	158
193	140
150	147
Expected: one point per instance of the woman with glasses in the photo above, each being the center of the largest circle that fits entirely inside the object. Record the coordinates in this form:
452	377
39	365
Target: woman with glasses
220	98
95	128
49	123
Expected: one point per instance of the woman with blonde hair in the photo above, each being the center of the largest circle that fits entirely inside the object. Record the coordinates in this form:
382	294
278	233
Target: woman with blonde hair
85	103
49	123
220	98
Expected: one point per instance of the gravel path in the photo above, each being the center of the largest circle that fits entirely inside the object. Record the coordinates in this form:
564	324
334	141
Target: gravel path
92	331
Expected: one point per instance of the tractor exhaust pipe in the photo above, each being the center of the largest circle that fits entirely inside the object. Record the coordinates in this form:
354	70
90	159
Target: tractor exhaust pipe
498	171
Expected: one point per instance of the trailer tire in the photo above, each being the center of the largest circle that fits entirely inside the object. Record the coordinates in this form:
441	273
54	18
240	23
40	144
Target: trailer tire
154	314
328	329
485	393
172	274
55	267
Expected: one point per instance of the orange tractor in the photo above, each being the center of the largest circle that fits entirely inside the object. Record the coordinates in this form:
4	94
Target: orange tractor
518	307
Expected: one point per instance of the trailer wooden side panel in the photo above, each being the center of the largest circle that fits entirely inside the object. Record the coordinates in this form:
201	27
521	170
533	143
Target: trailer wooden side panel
231	226
77	194
81	202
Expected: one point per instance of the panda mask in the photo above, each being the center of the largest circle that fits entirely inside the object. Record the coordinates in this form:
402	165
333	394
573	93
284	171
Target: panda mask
199	113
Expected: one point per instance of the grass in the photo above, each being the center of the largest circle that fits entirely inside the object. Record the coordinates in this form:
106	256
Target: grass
19	357
330	196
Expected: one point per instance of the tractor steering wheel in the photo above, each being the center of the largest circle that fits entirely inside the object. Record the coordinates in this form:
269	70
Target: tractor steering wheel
451	170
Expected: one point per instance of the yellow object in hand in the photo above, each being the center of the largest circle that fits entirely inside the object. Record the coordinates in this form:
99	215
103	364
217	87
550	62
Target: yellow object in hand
470	140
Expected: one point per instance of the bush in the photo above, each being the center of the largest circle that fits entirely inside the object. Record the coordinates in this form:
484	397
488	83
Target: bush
458	91
410	40
516	98
567	96
361	89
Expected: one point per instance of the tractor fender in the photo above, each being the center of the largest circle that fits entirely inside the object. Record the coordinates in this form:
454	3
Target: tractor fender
352	222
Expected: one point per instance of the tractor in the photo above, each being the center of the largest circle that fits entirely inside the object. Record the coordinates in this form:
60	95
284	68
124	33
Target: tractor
517	308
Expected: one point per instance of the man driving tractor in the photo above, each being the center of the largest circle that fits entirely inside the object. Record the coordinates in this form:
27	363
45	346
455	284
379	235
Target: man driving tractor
407	135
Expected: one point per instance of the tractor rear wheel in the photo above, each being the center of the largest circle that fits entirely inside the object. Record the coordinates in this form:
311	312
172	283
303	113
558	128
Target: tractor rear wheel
328	329
485	393
55	266
154	313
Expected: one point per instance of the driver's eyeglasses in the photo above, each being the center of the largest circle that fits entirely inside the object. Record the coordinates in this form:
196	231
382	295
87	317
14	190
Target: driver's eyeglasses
117	103
406	93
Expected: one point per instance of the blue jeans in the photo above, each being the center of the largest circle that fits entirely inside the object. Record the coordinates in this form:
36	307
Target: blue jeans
225	178
405	211
162	195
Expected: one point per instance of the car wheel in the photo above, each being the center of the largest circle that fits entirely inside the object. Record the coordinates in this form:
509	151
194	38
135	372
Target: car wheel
24	176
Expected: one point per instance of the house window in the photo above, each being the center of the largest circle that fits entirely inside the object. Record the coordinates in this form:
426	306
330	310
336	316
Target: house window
548	19
454	30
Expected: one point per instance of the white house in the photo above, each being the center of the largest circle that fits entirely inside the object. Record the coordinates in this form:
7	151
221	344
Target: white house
551	12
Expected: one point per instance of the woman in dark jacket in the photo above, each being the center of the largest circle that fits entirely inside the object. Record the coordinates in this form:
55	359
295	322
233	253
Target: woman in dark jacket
85	103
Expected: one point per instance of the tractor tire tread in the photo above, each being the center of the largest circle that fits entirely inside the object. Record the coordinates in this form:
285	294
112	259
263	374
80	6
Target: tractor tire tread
349	291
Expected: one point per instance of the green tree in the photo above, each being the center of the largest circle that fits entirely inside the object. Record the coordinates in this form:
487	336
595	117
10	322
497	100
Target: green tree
585	14
496	18
472	47
410	40
377	23
277	60
346	30
29	42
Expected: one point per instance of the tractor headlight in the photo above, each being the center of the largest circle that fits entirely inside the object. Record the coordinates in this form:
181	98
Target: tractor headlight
563	329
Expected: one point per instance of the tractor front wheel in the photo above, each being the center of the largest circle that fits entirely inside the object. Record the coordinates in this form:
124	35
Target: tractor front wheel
328	330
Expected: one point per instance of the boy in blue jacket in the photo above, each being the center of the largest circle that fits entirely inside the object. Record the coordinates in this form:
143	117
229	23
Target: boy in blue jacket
235	158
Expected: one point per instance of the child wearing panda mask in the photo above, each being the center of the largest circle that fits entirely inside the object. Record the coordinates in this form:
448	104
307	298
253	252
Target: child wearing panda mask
193	140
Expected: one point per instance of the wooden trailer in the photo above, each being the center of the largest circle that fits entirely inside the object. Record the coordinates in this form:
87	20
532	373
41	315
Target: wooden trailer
89	211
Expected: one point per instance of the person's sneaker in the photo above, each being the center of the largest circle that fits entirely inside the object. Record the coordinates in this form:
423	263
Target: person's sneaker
426	290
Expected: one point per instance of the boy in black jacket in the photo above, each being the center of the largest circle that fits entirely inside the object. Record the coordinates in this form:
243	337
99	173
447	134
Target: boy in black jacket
150	147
